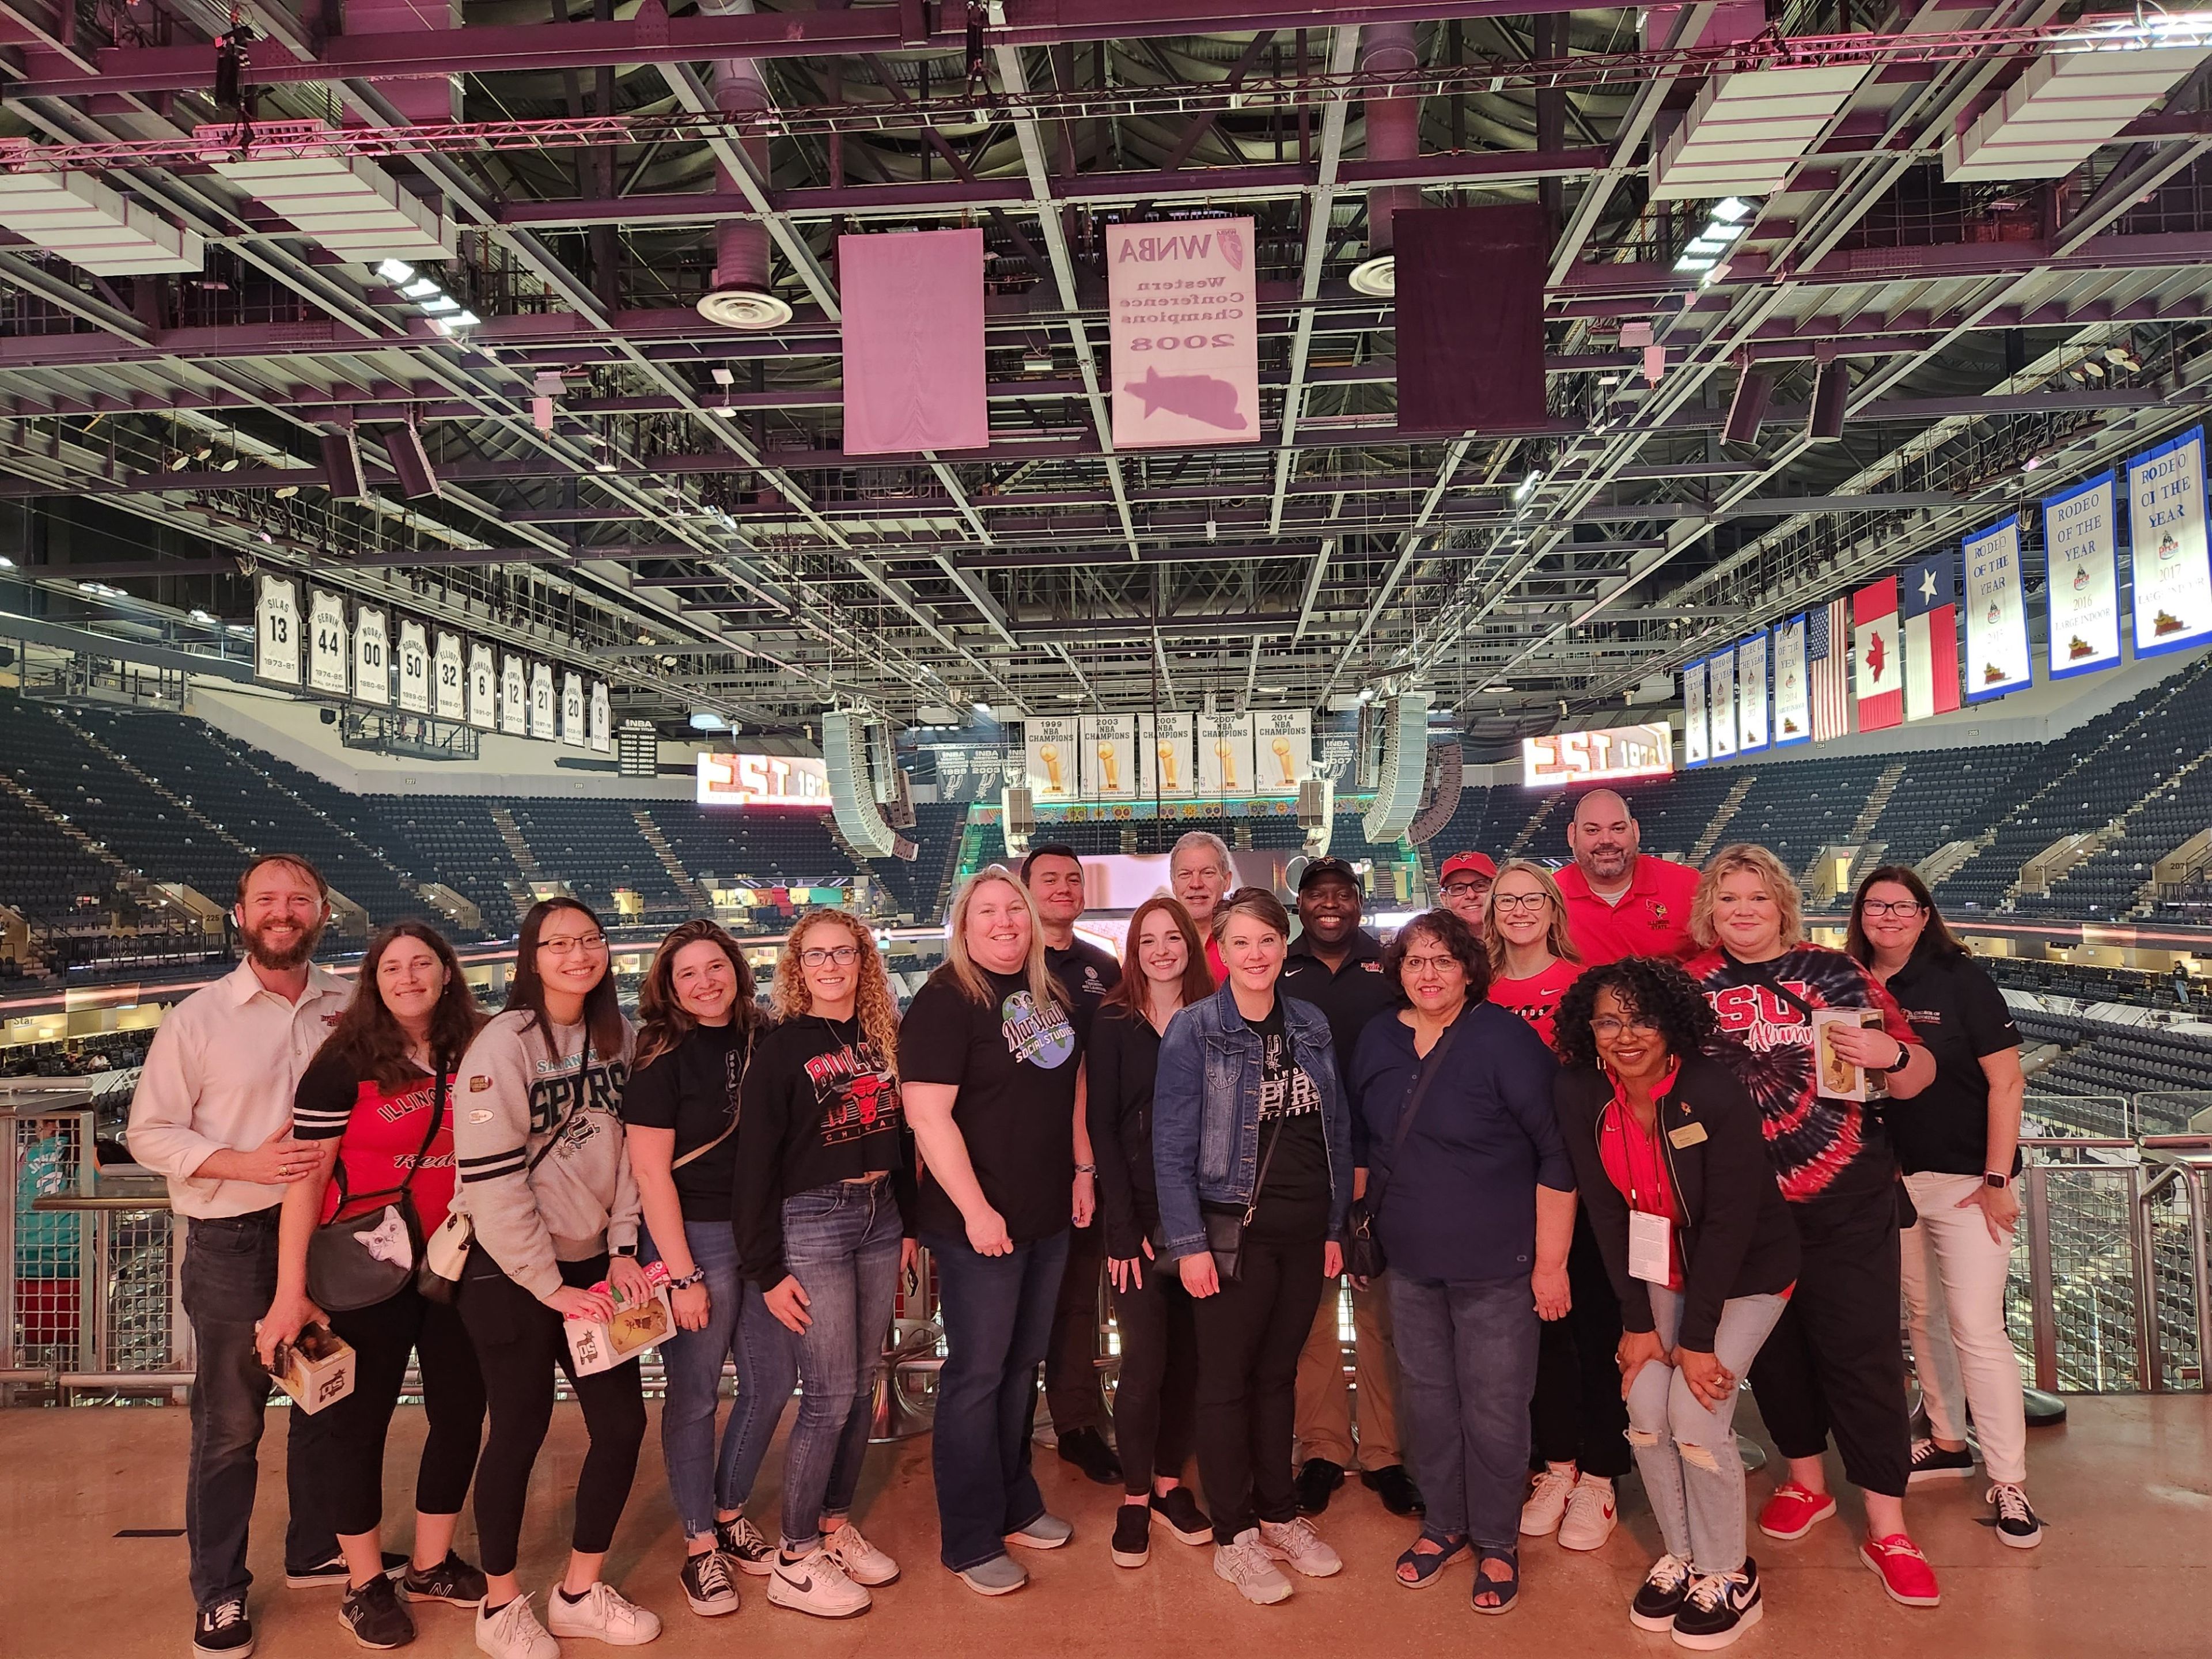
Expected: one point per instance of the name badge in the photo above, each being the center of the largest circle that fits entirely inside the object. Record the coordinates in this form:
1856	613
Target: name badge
1650	1257
1687	1134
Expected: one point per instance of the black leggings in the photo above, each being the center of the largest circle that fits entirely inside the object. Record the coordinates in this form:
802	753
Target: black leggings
1250	1332
1156	1401
1577	1415
519	1342
344	1441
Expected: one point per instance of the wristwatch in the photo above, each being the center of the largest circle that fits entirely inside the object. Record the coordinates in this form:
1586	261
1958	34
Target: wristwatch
1904	1059
1991	1178
624	1249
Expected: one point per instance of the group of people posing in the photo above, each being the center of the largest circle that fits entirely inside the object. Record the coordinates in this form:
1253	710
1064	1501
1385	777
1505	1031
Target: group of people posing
1566	1135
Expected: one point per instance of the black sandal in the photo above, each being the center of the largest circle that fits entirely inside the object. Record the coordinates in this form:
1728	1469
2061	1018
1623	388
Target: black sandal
1427	1568
1505	1589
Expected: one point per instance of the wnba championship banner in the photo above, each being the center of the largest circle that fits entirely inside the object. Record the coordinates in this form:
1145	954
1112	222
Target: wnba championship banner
2081	596
2166	546
1997	614
1793	703
1694	750
1185	326
1720	705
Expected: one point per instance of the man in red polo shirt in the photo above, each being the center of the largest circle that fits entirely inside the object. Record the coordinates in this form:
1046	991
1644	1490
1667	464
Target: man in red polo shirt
1622	902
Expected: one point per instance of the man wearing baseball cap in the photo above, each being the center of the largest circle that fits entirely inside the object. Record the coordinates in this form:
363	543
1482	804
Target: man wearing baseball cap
1465	883
1622	902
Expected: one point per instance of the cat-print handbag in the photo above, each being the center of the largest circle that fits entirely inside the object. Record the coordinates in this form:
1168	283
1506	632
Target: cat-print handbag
371	1258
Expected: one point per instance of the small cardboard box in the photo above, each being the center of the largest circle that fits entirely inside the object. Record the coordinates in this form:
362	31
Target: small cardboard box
1838	1079
601	1344
316	1368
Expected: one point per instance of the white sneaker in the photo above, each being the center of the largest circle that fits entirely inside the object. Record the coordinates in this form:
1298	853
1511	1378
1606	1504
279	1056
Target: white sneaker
1245	1563
1296	1543
604	1615
1591	1514
513	1632
816	1584
857	1559
1547	1500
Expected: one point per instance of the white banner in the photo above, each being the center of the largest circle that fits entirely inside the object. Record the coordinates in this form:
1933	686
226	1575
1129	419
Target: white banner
1793	698
276	632
1720	704
602	725
450	687
414	668
1169	771
2082	586
1282	750
1751	733
542	722
1110	757
572	709
371	657
1694	750
1184	322
514	696
1053	747
1997	614
326	643
2166	546
1225	754
483	688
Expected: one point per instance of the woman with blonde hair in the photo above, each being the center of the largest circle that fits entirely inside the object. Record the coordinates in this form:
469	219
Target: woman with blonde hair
993	1084
1832	1363
822	1216
1524	934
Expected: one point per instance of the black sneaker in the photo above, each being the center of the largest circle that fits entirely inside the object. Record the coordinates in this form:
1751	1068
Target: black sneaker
1395	1487
374	1616
224	1629
452	1580
1178	1511
1659	1597
2017	1524
741	1541
1931	1462
1133	1534
708	1584
1087	1449
1318	1479
1720	1606
335	1573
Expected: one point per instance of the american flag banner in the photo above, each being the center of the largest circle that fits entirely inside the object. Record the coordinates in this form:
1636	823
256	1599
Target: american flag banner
1824	672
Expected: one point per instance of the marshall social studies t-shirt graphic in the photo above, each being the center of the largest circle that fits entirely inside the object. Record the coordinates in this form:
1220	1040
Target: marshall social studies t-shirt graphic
1045	1040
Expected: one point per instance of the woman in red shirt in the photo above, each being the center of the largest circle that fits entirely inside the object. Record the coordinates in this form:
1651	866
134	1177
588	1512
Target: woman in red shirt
1532	959
378	1099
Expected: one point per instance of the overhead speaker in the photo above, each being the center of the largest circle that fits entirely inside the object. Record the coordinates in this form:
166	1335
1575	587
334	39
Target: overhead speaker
1017	815
403	445
1439	793
1317	813
1367	747
1404	765
1748	409
341	466
1831	395
852	793
883	768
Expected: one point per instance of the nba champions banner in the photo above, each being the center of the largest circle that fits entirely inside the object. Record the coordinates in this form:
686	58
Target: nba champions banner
1793	701
2082	594
2166	546
1695	752
1997	614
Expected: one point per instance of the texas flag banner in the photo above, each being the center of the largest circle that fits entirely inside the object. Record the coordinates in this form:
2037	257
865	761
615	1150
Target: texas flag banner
1881	682
1931	636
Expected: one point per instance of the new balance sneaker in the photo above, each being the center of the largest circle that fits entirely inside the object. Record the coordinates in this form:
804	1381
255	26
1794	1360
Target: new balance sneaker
710	1584
333	1573
814	1583
1133	1534
1047	1532
602	1614
857	1559
1931	1462
1659	1597
1178	1511
223	1630
1903	1570
1547	1500
1245	1563
374	1616
999	1575
1590	1514
2017	1524
1296	1544
513	1632
1794	1510
452	1580
741	1541
1719	1608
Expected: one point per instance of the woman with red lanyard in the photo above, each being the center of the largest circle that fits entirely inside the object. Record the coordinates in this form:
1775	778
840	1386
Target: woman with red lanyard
378	1099
1673	1176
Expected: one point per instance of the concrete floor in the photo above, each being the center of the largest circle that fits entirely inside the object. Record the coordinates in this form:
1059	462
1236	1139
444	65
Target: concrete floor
2125	1568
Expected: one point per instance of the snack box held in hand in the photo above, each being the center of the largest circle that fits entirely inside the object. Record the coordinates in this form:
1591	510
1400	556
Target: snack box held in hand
315	1368
1838	1079
601	1344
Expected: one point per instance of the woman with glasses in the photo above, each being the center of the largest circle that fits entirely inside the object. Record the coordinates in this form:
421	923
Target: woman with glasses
545	1179
1672	1167
1524	934
1473	1204
1960	1149
697	1027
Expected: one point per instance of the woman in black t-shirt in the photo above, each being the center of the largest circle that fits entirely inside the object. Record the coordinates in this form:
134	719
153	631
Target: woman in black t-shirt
993	1085
697	1026
825	1191
1958	1146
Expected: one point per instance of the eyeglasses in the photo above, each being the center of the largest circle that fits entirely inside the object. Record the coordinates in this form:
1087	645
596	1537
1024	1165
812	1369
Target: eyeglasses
1606	1026
843	955
1519	900
1466	887
1891	908
590	943
1429	964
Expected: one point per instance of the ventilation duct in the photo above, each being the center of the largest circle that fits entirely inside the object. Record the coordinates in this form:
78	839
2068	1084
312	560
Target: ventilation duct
852	796
351	207
2055	116
1746	132
1404	764
93	228
1393	134
744	294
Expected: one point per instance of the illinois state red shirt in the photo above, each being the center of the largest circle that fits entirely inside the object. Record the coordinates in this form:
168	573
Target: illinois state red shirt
1536	999
1651	920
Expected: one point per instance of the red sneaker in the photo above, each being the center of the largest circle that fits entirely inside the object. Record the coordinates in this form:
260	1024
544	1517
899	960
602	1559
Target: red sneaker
1904	1571
1794	1510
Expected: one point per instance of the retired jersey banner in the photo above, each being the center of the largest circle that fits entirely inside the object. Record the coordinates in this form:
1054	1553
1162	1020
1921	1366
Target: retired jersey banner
1997	614
1793	703
414	668
1720	705
2166	546
450	681
542	710
276	632
371	657
483	688
1880	676
1751	720
513	696
602	719
1184	321
572	709
1695	751
2082	590
326	643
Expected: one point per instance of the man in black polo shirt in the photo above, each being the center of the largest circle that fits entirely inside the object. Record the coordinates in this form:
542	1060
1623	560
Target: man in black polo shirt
1336	964
1054	876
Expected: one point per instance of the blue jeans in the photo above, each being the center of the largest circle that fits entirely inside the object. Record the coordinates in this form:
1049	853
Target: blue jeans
699	1483
997	1311
1466	1366
842	1243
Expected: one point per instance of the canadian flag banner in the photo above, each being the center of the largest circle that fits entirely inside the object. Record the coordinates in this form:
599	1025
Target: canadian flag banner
1881	680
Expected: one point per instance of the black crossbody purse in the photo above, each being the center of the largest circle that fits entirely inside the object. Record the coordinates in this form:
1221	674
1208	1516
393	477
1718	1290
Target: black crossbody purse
1226	1223
1363	1255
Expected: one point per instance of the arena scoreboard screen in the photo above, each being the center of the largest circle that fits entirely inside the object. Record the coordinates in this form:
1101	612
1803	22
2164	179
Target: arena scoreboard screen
784	781
1568	759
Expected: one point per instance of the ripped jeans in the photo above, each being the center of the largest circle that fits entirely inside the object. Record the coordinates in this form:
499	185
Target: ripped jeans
1685	1448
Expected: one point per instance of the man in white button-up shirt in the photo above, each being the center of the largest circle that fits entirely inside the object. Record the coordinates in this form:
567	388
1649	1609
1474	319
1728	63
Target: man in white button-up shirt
213	1112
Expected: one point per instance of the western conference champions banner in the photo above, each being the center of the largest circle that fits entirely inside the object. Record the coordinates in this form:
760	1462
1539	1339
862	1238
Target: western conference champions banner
2166	546
1184	322
1720	705
2081	596
1793	698
1750	723
1997	614
1694	751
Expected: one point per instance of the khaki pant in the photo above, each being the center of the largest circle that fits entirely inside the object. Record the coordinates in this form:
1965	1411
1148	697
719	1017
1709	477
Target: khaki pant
1324	1422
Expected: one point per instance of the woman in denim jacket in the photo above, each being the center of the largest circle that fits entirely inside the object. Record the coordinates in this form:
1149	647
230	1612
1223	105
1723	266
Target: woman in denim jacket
1250	1124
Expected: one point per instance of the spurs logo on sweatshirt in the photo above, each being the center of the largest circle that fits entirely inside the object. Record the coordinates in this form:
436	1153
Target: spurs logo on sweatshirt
558	1098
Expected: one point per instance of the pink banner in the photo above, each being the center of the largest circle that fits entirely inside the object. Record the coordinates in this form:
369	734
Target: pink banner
1186	332
913	342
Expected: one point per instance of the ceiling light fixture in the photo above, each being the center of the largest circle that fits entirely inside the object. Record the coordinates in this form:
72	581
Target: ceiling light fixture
1728	221
395	271
1377	277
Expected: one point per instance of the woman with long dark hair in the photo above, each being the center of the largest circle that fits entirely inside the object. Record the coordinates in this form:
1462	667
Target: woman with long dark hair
697	1027
377	1102
546	1181
1960	1149
1156	1398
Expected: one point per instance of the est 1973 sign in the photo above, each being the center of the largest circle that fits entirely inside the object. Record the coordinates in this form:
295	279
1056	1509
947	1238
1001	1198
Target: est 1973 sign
1580	757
